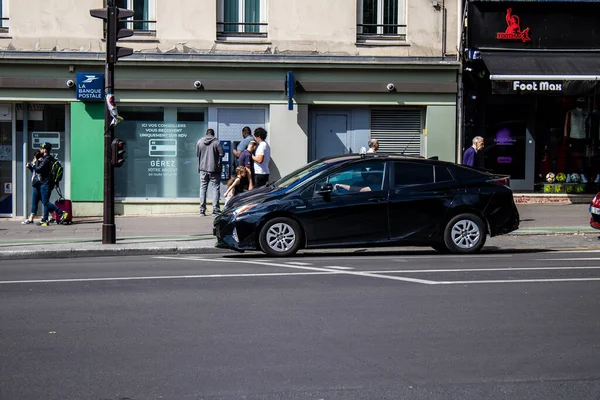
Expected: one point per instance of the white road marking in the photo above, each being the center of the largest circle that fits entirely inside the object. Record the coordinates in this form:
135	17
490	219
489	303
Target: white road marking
577	251
298	263
334	267
465	256
568	259
393	278
320	269
517	281
138	278
411	271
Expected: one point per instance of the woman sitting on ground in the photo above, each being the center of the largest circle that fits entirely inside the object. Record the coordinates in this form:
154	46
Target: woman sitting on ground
237	184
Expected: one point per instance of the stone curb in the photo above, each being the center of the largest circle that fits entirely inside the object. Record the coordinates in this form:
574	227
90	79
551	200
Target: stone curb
108	252
553	233
203	248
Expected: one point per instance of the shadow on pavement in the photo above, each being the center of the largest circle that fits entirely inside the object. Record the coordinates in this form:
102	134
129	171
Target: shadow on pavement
376	253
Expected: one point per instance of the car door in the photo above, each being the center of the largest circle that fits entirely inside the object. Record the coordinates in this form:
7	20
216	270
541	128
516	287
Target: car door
351	213
420	195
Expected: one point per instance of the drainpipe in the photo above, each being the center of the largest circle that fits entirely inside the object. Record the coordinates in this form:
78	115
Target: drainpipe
460	92
444	16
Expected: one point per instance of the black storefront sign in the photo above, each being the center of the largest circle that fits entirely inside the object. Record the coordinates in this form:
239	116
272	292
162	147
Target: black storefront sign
537	87
534	25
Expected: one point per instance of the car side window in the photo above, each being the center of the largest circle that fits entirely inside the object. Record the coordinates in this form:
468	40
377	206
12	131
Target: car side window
442	174
360	177
409	173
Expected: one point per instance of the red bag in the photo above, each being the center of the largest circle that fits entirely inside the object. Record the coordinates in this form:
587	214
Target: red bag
65	205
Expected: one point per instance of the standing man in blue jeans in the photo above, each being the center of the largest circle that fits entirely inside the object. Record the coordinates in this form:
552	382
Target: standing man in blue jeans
44	169
209	153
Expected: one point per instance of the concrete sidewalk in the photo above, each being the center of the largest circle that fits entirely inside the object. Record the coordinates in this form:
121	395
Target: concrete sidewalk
192	234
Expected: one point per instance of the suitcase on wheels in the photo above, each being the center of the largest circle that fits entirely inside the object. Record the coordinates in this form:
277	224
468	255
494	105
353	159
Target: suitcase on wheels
64	205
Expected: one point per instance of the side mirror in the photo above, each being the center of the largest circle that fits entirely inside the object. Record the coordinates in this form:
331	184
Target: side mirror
326	189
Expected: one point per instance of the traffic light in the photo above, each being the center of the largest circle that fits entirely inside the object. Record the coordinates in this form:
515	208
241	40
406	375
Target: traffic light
111	16
117	150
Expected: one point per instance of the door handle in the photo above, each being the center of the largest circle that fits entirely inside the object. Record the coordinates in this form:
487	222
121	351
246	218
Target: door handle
376	199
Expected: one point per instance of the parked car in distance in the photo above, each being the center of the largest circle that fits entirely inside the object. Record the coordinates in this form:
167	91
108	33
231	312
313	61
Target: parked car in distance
595	212
371	200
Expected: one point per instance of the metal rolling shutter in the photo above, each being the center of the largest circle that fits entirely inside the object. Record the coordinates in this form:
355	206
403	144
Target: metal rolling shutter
397	130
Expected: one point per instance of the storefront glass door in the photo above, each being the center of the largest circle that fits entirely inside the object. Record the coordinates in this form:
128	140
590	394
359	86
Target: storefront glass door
39	123
6	162
509	144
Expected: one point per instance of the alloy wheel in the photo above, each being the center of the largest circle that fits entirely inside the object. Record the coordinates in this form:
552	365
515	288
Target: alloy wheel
281	237
466	234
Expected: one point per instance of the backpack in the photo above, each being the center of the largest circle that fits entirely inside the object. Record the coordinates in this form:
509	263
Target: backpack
56	171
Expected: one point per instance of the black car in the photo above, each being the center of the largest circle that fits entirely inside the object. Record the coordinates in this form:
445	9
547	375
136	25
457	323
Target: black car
374	200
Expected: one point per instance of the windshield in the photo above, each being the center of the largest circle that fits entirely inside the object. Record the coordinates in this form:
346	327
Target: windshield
299	174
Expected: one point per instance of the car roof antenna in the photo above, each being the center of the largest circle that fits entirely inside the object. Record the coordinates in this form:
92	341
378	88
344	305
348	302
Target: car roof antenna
409	143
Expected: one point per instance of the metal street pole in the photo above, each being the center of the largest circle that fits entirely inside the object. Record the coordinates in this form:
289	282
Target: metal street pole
109	231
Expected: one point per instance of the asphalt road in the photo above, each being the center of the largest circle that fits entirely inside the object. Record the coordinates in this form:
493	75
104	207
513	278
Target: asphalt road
392	325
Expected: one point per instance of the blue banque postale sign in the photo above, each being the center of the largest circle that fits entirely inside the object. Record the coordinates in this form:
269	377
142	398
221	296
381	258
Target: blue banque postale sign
90	86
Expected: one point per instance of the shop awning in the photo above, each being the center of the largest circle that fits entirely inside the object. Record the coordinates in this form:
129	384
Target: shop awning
558	66
573	73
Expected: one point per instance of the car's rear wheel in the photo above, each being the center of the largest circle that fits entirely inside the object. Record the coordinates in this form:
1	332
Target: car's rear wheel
280	237
465	233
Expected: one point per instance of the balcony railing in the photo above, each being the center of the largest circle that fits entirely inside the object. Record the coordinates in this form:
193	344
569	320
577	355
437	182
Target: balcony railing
246	29
381	31
3	24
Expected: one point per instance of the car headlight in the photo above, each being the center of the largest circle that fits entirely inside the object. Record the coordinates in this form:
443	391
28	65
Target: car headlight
243	209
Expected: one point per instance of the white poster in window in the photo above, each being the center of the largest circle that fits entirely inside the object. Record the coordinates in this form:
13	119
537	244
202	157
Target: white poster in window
8	188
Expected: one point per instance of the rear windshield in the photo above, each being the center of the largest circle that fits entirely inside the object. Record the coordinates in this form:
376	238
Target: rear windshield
465	173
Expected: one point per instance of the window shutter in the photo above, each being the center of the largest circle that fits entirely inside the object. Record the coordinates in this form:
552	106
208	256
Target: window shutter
397	130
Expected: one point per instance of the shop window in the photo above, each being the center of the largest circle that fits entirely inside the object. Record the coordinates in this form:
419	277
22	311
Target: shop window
241	18
406	173
381	20
144	16
160	145
3	16
567	159
505	140
6	150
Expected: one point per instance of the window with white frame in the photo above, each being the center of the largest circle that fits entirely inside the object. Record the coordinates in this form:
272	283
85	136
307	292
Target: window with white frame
3	16
381	19
144	15
242	18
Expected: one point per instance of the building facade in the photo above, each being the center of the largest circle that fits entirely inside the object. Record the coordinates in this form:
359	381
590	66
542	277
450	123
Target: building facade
531	89
385	69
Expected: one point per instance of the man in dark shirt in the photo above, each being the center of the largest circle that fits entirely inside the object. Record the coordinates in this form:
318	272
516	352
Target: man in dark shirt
44	169
243	145
247	162
471	156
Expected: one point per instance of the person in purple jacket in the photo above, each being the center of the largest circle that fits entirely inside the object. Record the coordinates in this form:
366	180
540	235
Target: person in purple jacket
470	156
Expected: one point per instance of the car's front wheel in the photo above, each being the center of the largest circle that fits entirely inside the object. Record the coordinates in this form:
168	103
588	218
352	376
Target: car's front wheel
280	237
465	233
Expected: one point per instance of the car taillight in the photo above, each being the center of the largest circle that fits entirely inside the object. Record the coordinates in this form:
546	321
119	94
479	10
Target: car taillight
504	181
596	201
